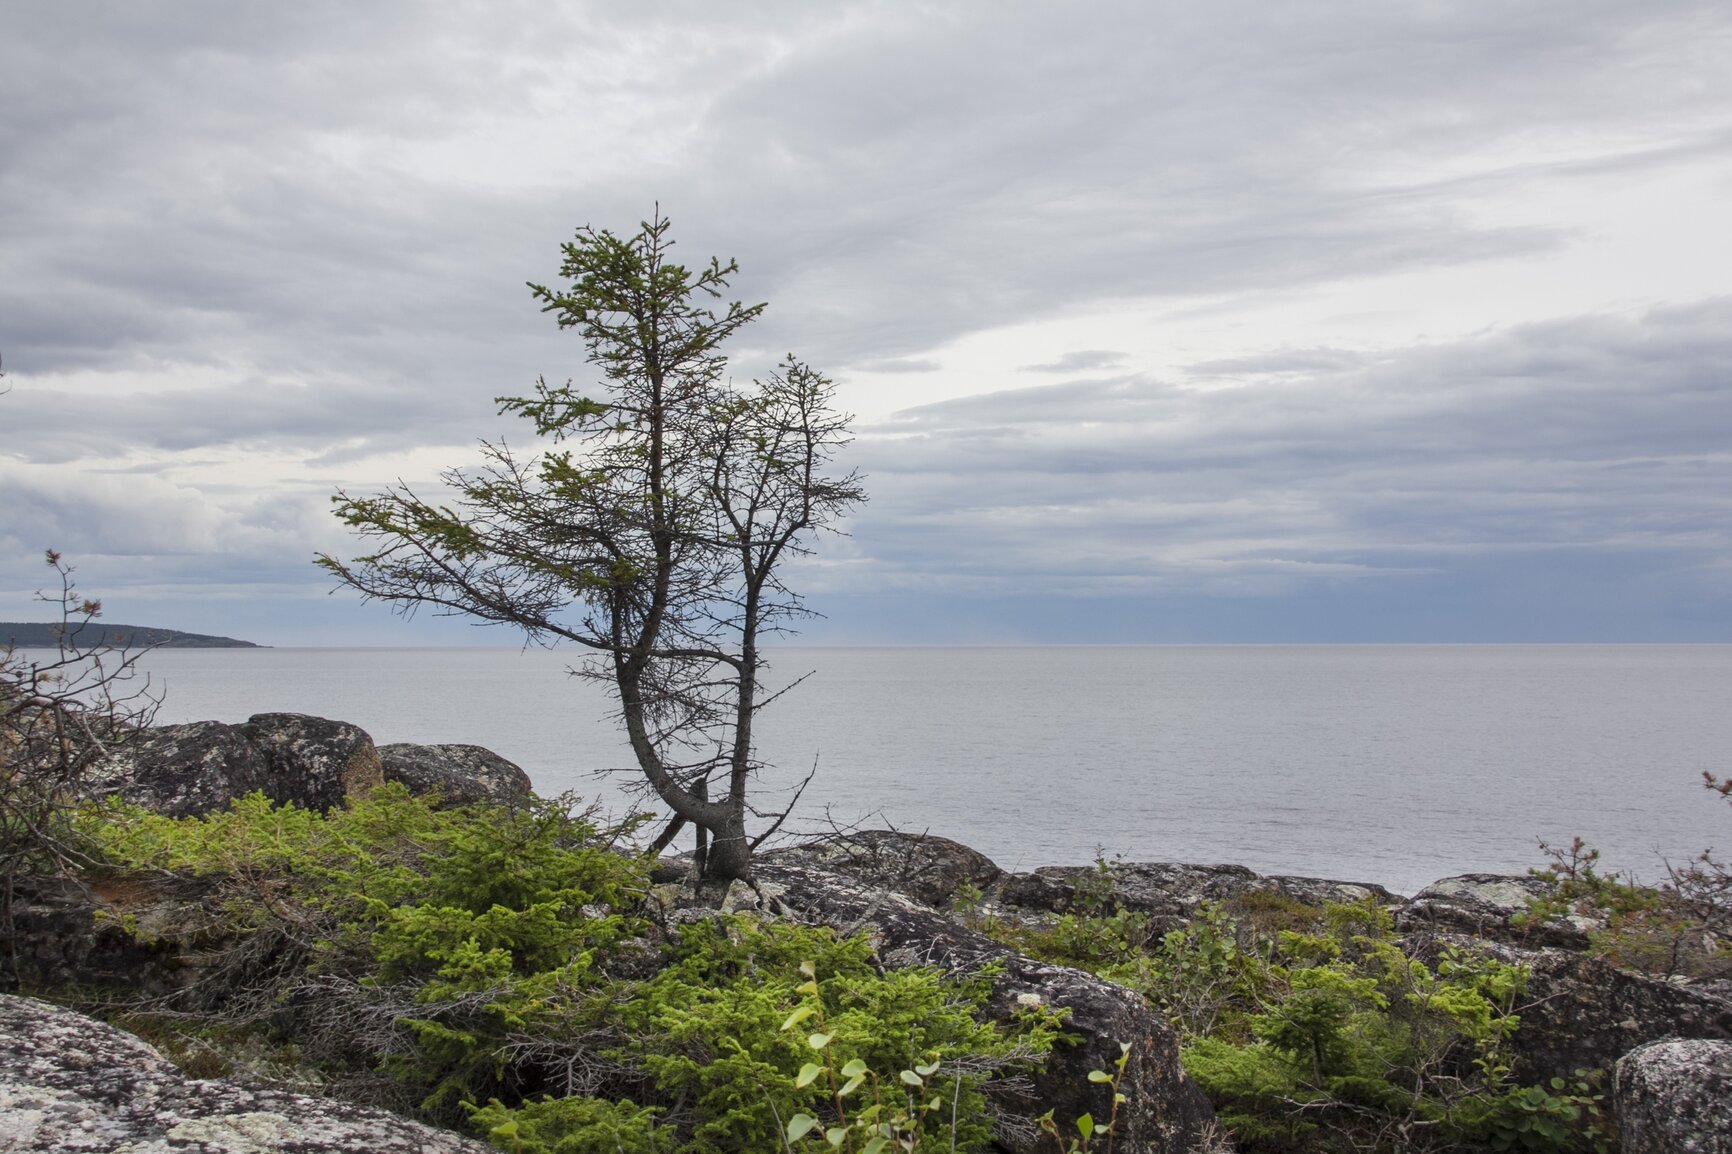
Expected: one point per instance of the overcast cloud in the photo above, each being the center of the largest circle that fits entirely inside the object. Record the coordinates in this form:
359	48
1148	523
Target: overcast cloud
1326	321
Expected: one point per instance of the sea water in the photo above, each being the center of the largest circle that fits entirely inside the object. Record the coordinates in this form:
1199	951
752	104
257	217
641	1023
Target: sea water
1392	764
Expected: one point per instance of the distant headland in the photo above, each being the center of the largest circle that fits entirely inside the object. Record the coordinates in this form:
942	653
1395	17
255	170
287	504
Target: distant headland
46	635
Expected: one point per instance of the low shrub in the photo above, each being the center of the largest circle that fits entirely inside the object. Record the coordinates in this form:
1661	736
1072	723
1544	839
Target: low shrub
1310	1030
486	967
1680	928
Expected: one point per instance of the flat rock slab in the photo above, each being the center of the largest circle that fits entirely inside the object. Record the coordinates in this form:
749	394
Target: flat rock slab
71	1083
1493	906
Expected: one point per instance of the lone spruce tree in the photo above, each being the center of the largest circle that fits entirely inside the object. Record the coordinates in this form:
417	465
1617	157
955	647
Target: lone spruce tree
653	530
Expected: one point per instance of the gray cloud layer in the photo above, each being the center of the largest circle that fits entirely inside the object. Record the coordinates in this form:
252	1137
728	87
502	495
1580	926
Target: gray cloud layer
302	232
1593	442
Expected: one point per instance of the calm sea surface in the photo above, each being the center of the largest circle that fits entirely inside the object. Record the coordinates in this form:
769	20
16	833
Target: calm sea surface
1393	764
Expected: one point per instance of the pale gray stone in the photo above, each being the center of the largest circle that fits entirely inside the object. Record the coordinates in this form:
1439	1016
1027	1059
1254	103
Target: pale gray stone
1675	1097
71	1083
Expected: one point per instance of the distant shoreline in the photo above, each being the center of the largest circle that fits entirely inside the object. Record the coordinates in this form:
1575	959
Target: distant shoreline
48	634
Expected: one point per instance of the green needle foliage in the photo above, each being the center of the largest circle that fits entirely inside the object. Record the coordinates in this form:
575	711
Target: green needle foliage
1680	928
1311	1031
652	532
488	967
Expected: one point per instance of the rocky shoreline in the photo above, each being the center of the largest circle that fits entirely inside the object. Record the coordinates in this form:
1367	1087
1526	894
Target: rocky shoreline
919	898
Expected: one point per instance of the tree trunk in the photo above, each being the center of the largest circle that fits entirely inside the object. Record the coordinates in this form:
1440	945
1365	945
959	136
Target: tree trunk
730	850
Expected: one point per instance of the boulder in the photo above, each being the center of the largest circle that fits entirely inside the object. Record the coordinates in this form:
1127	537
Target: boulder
183	770
1320	891
927	868
1165	1112
1675	1097
203	766
459	774
71	1083
312	761
1489	906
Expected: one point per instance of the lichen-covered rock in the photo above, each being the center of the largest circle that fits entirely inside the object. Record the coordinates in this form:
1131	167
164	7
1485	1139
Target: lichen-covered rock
1675	1097
312	761
1320	891
1491	906
1168	893
183	770
1165	1113
927	868
70	1083
203	766
1581	1013
459	774
1584	1013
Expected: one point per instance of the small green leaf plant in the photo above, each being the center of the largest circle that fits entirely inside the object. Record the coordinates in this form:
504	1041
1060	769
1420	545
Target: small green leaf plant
866	1116
1088	1131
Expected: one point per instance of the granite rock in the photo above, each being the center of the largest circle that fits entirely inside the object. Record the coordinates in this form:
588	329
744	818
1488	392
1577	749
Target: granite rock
71	1083
312	761
1491	906
183	770
1675	1097
203	766
1167	893
459	774
1582	1013
927	868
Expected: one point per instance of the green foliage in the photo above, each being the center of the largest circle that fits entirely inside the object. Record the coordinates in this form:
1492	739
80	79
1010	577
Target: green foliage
1310	1030
574	1125
846	1101
733	1022
1681	928
473	955
1543	1118
1196	973
459	928
1095	934
653	530
420	892
1347	1039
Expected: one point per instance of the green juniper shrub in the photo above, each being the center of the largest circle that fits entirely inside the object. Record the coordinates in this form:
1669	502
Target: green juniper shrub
574	1125
1310	1030
754	1025
1350	1041
440	959
411	940
719	1029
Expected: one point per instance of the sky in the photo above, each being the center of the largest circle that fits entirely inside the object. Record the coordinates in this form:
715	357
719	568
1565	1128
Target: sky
1364	321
